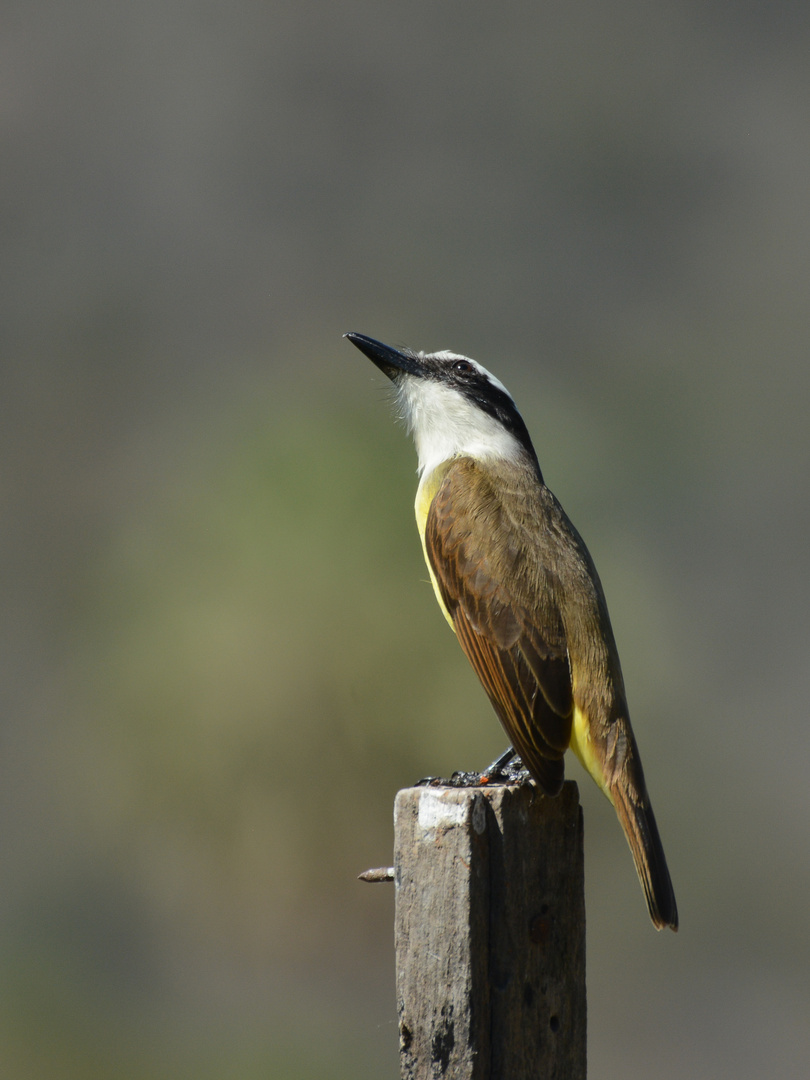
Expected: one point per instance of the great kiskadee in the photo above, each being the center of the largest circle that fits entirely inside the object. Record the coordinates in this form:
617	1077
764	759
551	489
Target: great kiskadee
519	588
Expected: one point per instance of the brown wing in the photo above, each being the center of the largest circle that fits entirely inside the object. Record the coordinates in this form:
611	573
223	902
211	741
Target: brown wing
517	646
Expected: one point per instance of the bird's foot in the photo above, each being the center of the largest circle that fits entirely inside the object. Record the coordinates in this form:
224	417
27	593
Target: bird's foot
457	780
507	769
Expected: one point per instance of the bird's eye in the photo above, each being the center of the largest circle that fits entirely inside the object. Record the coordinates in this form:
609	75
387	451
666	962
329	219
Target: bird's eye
463	367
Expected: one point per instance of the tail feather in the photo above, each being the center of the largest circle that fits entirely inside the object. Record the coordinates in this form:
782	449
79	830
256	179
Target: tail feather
638	821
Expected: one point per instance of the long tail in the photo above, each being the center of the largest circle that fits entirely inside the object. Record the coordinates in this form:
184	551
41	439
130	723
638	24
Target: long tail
638	821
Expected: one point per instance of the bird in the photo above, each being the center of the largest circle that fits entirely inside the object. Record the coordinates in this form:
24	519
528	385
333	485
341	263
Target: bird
520	590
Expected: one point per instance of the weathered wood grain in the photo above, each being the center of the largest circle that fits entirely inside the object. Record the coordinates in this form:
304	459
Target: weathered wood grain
490	934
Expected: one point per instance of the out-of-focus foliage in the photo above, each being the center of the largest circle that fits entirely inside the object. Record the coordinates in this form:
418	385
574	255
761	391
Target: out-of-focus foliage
220	656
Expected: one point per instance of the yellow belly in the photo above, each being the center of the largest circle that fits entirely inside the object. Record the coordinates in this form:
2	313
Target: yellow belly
428	486
583	747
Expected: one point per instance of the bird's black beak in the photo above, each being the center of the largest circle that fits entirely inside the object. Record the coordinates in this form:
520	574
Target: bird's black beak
392	362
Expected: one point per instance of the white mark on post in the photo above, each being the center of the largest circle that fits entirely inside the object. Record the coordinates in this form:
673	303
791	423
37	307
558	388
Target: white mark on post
436	811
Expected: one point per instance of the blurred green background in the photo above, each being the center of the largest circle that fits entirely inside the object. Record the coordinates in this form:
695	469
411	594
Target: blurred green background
220	659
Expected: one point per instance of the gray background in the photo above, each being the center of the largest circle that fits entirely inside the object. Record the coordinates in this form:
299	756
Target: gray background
219	656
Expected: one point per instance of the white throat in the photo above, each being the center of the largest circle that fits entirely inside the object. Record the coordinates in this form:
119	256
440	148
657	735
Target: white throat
445	424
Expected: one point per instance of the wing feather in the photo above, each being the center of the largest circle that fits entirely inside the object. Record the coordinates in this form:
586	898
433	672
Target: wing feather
518	652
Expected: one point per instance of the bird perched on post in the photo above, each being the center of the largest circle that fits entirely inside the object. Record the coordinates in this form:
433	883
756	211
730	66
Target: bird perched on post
519	588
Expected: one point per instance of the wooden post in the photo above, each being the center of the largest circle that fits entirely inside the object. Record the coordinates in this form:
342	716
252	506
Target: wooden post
490	933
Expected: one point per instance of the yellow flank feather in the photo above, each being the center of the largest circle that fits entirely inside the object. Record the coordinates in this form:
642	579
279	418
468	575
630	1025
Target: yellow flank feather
583	747
428	486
